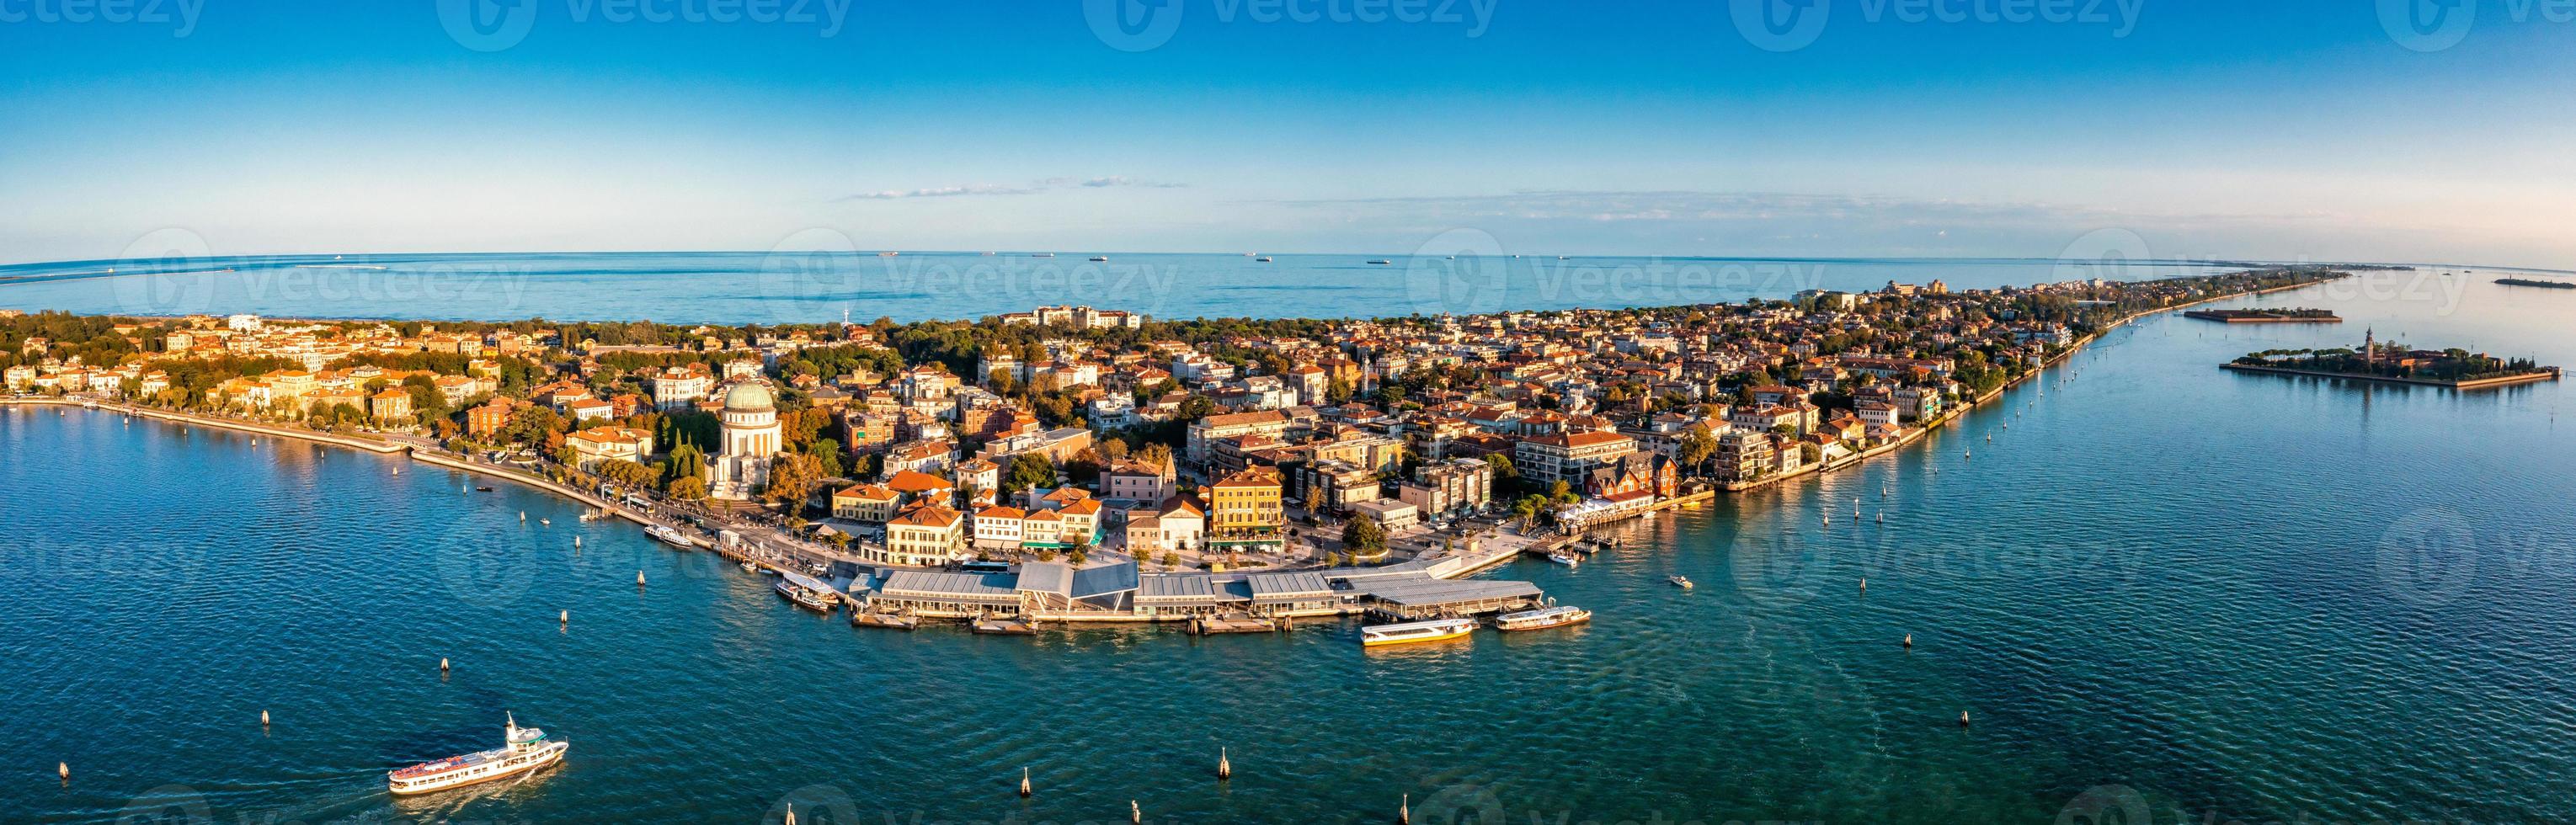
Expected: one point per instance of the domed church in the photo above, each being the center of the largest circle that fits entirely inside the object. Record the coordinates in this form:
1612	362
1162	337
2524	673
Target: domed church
740	466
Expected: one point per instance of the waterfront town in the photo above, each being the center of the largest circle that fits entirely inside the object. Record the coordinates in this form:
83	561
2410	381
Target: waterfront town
1080	464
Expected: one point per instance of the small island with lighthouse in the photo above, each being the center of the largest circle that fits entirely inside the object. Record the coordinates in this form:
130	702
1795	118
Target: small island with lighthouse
2397	363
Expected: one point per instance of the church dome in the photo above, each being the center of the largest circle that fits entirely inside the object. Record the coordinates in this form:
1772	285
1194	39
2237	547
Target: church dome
748	396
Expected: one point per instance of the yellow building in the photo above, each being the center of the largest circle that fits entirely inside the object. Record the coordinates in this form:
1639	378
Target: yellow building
1244	513
865	502
925	534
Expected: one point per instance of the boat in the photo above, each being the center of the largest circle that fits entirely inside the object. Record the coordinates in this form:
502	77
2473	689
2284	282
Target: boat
1381	263
546	521
668	536
1099	258
1682	582
888	254
1542	618
803	597
1564	558
522	750
749	567
1042	255
1411	632
1261	260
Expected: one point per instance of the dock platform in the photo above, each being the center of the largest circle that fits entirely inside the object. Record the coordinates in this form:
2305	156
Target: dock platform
1232	623
862	618
1004	627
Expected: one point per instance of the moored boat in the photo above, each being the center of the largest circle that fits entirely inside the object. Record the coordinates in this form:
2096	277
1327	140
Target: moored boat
804	597
523	750
1542	618
1564	558
1410	632
668	536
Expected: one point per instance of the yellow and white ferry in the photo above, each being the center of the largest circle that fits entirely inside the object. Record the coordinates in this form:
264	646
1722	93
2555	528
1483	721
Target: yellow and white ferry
524	750
1410	632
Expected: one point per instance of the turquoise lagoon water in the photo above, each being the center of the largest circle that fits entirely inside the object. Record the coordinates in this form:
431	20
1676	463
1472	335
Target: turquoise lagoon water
2162	589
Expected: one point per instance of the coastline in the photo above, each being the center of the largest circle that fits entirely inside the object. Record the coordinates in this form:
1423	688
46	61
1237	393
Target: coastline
1952	417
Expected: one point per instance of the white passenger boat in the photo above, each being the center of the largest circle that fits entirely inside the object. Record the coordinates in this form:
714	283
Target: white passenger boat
803	597
524	750
668	536
1564	558
1542	618
1410	632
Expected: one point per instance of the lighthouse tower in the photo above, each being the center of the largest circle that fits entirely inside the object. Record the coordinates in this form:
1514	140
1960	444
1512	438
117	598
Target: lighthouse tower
2370	347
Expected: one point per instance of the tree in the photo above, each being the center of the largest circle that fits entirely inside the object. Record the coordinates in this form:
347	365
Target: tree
792	478
1698	444
686	461
1158	456
1364	534
827	453
1028	470
1503	469
531	425
688	488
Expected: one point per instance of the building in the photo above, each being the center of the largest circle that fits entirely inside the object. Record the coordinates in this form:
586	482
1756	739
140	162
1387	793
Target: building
1448	489
599	444
925	534
1271	424
1332	486
751	437
1135	481
1392	515
1000	528
870	503
1568	457
1244	512
1744	456
675	388
392	405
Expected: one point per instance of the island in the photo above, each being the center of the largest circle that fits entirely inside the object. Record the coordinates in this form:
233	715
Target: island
2536	282
2395	363
1077	465
2266	316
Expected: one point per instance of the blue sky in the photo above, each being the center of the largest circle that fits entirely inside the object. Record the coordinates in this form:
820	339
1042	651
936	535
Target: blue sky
2278	130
